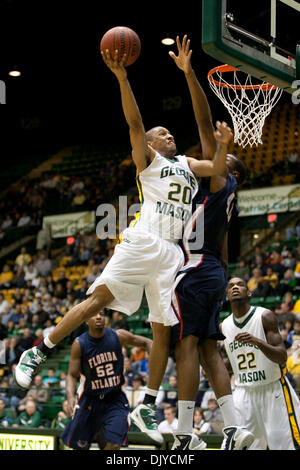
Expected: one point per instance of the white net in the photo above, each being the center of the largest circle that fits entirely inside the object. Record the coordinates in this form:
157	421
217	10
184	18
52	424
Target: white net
248	103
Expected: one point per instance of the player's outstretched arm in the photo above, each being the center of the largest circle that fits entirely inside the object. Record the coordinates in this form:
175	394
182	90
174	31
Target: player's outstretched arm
200	104
129	339
73	372
217	166
274	348
142	154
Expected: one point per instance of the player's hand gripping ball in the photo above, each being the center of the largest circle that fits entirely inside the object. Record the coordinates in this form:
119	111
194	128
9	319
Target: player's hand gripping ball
125	41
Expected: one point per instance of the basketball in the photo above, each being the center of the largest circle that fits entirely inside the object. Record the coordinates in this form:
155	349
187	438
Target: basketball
123	39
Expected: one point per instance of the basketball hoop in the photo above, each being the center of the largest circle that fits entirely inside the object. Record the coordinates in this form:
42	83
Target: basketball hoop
248	104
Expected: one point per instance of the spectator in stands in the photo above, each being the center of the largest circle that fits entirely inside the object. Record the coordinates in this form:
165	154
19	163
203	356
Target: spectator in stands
270	279
3	304
63	417
257	252
11	329
287	283
8	222
49	327
14	351
6	417
290	260
275	262
200	426
44	265
24	220
6	277
242	270
93	275
286	306
171	394
293	231
128	372
293	363
79	199
26	340
260	264
208	395
256	284
38	337
23	323
213	413
294	334
44	240
118	322
29	418
42	315
16	314
277	242
297	270
38	392
18	279
31	272
24	258
51	378
170	422
80	294
284	335
62	279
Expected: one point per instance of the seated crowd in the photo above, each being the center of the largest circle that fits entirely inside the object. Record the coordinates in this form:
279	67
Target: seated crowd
36	290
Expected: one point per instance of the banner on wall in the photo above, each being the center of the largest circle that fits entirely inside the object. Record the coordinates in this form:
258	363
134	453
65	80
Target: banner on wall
66	225
26	442
269	200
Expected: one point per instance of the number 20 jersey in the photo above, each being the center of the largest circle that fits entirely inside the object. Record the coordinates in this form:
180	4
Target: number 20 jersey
250	366
166	189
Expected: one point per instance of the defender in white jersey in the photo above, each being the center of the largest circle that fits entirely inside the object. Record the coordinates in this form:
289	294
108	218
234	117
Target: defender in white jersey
148	257
266	403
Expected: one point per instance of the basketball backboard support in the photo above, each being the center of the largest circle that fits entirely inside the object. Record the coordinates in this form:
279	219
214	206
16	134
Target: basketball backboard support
262	40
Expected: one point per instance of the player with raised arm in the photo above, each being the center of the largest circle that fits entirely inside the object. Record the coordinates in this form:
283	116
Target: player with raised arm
100	409
265	401
200	285
149	256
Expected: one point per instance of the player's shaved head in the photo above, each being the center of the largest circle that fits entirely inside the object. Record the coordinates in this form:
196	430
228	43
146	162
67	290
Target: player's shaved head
236	167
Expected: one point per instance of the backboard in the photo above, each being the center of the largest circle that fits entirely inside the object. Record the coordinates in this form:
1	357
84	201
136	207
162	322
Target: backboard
259	37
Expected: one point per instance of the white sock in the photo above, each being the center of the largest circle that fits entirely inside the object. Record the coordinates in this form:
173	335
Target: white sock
228	410
48	343
185	416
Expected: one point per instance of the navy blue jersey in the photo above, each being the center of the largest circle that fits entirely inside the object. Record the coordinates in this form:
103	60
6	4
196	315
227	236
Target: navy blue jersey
217	209
101	363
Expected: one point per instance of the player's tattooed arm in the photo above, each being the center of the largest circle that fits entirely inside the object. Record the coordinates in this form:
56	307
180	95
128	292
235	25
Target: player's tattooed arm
129	339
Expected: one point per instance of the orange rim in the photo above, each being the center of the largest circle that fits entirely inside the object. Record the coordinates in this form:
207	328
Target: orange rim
229	68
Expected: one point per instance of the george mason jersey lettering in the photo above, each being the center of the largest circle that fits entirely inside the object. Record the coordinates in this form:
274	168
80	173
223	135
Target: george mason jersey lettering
250	366
101	368
166	189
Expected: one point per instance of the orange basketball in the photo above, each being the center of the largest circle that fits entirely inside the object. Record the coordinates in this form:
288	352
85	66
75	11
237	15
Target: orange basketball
123	39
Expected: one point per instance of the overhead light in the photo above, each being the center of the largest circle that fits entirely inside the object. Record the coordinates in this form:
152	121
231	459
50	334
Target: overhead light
14	73
256	235
168	41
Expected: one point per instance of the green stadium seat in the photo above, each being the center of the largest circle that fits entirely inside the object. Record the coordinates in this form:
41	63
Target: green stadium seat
257	301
